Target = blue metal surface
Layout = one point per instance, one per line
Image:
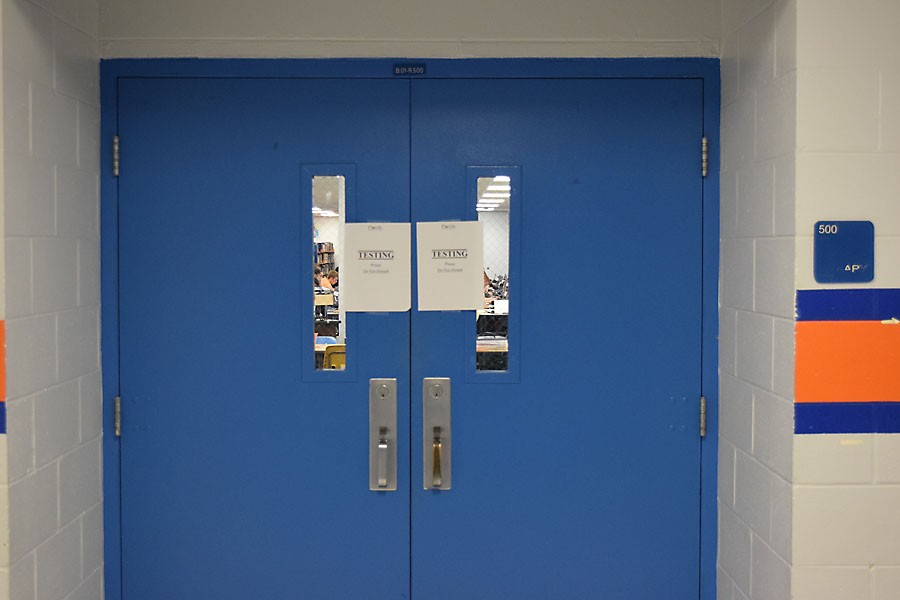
(491, 68)
(109, 333)
(710, 347)
(583, 480)
(703, 71)
(864, 304)
(844, 251)
(847, 417)
(238, 479)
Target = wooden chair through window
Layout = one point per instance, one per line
(335, 356)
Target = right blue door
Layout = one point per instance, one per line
(576, 465)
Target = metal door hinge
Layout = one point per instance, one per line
(702, 416)
(704, 156)
(115, 156)
(117, 416)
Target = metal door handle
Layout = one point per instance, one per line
(382, 458)
(383, 435)
(437, 435)
(436, 458)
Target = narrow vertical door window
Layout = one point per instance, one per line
(329, 335)
(492, 325)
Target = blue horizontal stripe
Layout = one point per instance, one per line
(865, 304)
(2, 417)
(847, 417)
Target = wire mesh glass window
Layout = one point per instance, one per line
(492, 326)
(328, 221)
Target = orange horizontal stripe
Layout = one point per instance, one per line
(847, 361)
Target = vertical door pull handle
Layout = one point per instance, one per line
(436, 458)
(437, 434)
(382, 435)
(382, 458)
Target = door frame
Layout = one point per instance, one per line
(704, 69)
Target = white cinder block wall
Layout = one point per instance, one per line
(52, 283)
(756, 299)
(847, 487)
(4, 470)
(424, 28)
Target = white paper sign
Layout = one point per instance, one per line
(376, 272)
(450, 265)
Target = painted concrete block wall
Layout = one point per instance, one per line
(51, 242)
(756, 299)
(4, 471)
(846, 494)
(423, 28)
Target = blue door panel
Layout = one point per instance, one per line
(243, 478)
(581, 480)
(239, 479)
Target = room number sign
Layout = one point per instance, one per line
(844, 251)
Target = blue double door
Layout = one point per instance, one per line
(244, 472)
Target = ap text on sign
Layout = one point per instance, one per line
(844, 251)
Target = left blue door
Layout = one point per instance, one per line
(241, 470)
